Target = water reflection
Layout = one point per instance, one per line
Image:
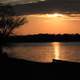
(56, 47)
(45, 52)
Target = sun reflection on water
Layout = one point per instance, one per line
(56, 53)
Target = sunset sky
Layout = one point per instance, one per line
(51, 23)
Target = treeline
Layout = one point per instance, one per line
(44, 38)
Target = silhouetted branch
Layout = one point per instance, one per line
(9, 22)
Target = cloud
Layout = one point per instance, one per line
(47, 6)
(50, 6)
(28, 1)
(18, 1)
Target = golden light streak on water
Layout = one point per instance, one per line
(56, 46)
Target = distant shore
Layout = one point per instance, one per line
(45, 38)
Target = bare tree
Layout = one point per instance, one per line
(8, 22)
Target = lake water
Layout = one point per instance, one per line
(45, 52)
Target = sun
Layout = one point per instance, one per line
(55, 15)
(58, 15)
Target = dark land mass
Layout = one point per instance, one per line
(44, 38)
(34, 70)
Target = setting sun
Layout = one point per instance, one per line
(55, 15)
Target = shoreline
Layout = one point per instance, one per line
(9, 60)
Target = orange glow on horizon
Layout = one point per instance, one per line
(55, 23)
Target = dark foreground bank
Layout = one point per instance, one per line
(7, 60)
(34, 70)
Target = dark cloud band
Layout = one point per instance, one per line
(48, 6)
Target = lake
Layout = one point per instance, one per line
(45, 52)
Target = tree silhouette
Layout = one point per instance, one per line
(8, 22)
